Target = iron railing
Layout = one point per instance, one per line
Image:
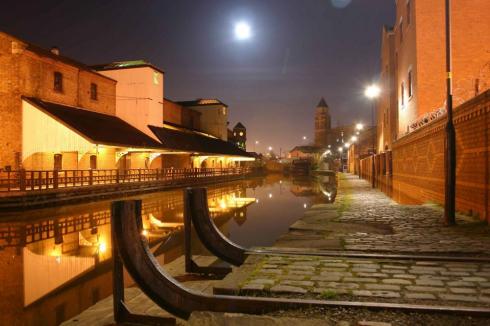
(35, 180)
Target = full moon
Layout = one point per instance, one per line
(243, 31)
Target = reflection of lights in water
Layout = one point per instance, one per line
(270, 195)
(222, 204)
(305, 205)
(280, 181)
(58, 259)
(241, 214)
(102, 247)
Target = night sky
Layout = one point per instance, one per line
(300, 51)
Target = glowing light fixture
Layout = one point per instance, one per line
(243, 31)
(372, 91)
(353, 139)
(359, 126)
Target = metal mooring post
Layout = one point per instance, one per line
(450, 154)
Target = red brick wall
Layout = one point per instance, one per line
(26, 73)
(418, 161)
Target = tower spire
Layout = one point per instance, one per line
(322, 104)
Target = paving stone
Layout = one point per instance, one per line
(298, 283)
(457, 297)
(293, 277)
(363, 270)
(461, 284)
(387, 266)
(425, 289)
(253, 286)
(341, 274)
(405, 276)
(271, 271)
(420, 296)
(372, 323)
(474, 279)
(338, 265)
(330, 290)
(287, 289)
(386, 287)
(300, 267)
(336, 285)
(378, 294)
(462, 290)
(377, 275)
(396, 281)
(326, 278)
(360, 280)
(429, 282)
(455, 273)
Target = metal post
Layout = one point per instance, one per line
(450, 153)
(374, 151)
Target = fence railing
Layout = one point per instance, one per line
(30, 180)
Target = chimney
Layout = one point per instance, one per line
(55, 50)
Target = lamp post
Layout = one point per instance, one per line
(255, 145)
(450, 152)
(372, 92)
(359, 127)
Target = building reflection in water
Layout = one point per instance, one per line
(55, 263)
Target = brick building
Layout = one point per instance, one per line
(27, 70)
(59, 114)
(413, 63)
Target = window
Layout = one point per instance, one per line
(58, 162)
(93, 162)
(409, 12)
(410, 84)
(402, 94)
(93, 91)
(58, 81)
(401, 32)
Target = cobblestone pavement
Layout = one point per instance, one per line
(433, 282)
(366, 220)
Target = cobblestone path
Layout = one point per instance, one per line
(366, 220)
(433, 282)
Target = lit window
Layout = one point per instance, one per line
(409, 12)
(58, 81)
(402, 94)
(93, 91)
(410, 84)
(401, 31)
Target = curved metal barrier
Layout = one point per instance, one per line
(196, 213)
(131, 248)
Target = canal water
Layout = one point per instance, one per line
(55, 263)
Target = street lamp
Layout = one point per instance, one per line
(450, 153)
(372, 92)
(353, 139)
(255, 145)
(359, 126)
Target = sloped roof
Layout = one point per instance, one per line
(322, 104)
(202, 102)
(125, 65)
(195, 142)
(97, 127)
(239, 126)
